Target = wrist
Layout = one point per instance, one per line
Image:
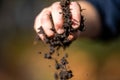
(92, 20)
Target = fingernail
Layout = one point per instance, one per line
(60, 31)
(75, 25)
(70, 37)
(42, 37)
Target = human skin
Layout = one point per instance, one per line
(92, 20)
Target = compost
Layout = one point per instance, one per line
(63, 72)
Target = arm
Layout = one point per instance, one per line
(108, 11)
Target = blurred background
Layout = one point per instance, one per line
(89, 60)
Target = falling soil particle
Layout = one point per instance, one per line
(61, 41)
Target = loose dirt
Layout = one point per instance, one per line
(63, 72)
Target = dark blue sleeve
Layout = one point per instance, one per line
(109, 11)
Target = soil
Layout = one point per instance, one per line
(61, 41)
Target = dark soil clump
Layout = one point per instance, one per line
(61, 41)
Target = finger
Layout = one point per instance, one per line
(43, 20)
(57, 17)
(37, 25)
(46, 22)
(74, 35)
(75, 11)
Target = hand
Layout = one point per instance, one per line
(44, 20)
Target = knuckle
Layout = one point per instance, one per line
(74, 3)
(45, 14)
(44, 10)
(44, 17)
(56, 5)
